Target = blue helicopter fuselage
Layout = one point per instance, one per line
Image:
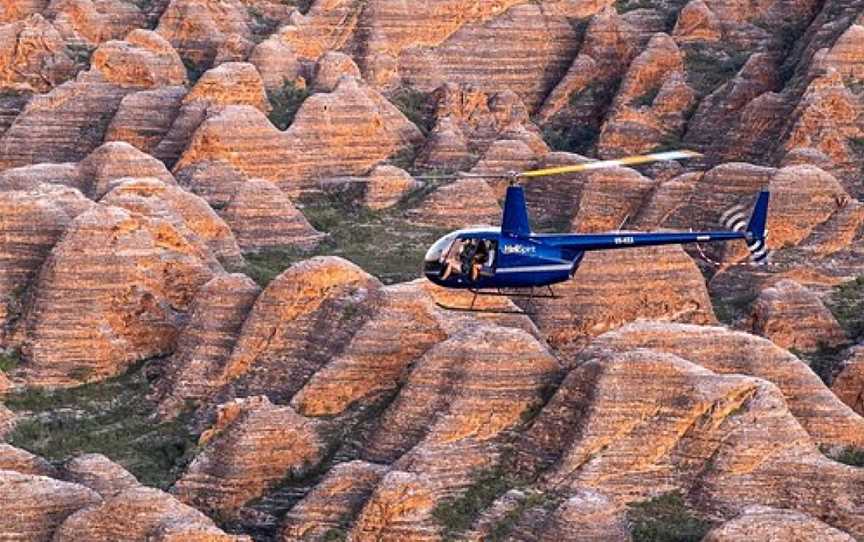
(517, 262)
(514, 257)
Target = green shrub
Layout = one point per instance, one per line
(579, 138)
(708, 67)
(110, 417)
(416, 106)
(647, 99)
(846, 303)
(286, 102)
(825, 361)
(9, 359)
(665, 518)
(851, 456)
(458, 514)
(386, 244)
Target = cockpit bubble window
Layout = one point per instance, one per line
(440, 247)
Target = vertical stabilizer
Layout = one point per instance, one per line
(515, 220)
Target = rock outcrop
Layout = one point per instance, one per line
(31, 223)
(465, 202)
(97, 472)
(23, 462)
(762, 523)
(105, 166)
(363, 129)
(252, 446)
(142, 60)
(334, 502)
(187, 213)
(144, 118)
(198, 29)
(387, 185)
(726, 441)
(34, 506)
(204, 345)
(793, 317)
(848, 385)
(113, 291)
(88, 23)
(825, 418)
(636, 283)
(263, 218)
(33, 56)
(141, 513)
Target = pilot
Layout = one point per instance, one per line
(453, 259)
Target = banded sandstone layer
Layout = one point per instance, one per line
(213, 213)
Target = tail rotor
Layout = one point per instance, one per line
(735, 220)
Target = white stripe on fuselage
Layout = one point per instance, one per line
(534, 268)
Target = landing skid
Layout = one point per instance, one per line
(499, 292)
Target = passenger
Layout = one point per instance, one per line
(481, 255)
(453, 259)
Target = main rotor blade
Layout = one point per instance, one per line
(603, 164)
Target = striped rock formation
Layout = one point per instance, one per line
(23, 462)
(33, 57)
(794, 317)
(644, 283)
(112, 292)
(69, 122)
(465, 202)
(97, 472)
(825, 418)
(363, 130)
(725, 441)
(448, 422)
(205, 343)
(31, 223)
(144, 118)
(89, 23)
(651, 103)
(263, 218)
(848, 385)
(232, 83)
(141, 513)
(252, 446)
(762, 523)
(187, 213)
(35, 506)
(197, 29)
(332, 505)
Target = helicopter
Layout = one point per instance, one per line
(513, 261)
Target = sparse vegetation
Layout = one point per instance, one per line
(623, 6)
(80, 53)
(851, 456)
(708, 67)
(825, 361)
(110, 417)
(386, 244)
(847, 305)
(9, 359)
(458, 514)
(729, 310)
(647, 99)
(286, 102)
(666, 518)
(193, 70)
(579, 138)
(502, 529)
(416, 106)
